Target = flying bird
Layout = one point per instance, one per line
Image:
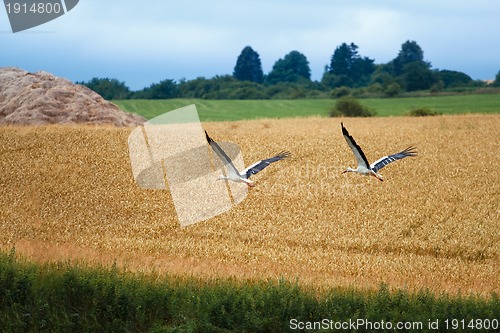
(364, 167)
(243, 176)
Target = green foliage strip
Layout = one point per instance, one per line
(63, 297)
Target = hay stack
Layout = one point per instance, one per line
(41, 98)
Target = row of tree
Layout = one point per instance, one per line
(290, 77)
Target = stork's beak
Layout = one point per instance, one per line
(344, 171)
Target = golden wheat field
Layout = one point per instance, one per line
(68, 193)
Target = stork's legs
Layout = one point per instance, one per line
(374, 174)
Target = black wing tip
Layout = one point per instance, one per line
(284, 154)
(410, 151)
(344, 130)
(209, 139)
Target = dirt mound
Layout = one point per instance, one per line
(41, 98)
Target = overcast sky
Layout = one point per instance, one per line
(144, 42)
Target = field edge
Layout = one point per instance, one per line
(91, 297)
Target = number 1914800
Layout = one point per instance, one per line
(34, 8)
(473, 324)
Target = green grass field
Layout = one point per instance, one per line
(64, 297)
(231, 110)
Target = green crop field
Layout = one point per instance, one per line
(63, 297)
(231, 110)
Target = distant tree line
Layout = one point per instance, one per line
(290, 77)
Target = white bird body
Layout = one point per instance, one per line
(364, 171)
(237, 178)
(364, 168)
(243, 176)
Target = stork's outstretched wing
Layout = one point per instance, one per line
(261, 165)
(356, 149)
(382, 162)
(222, 155)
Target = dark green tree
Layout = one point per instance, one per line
(454, 78)
(221, 87)
(418, 76)
(248, 66)
(343, 59)
(410, 69)
(108, 88)
(196, 88)
(410, 52)
(163, 90)
(348, 68)
(496, 83)
(383, 75)
(294, 67)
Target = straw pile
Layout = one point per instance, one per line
(41, 98)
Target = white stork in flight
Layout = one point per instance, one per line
(364, 167)
(243, 176)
